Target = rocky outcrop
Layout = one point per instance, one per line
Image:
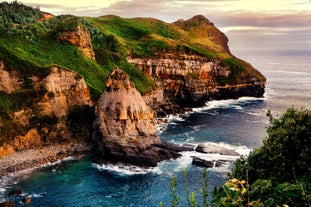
(8, 81)
(64, 90)
(191, 79)
(81, 38)
(210, 148)
(208, 163)
(125, 127)
(43, 119)
(9, 203)
(31, 140)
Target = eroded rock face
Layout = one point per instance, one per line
(125, 127)
(43, 120)
(31, 140)
(126, 123)
(80, 38)
(8, 81)
(65, 89)
(191, 80)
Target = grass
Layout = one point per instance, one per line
(30, 45)
(35, 59)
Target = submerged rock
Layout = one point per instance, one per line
(26, 200)
(210, 148)
(125, 126)
(8, 203)
(15, 192)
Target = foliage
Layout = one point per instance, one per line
(17, 13)
(286, 153)
(17, 19)
(280, 171)
(236, 68)
(276, 174)
(190, 196)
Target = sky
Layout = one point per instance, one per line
(249, 24)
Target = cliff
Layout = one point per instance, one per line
(40, 113)
(53, 70)
(191, 79)
(125, 127)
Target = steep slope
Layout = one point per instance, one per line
(47, 60)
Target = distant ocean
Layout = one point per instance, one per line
(235, 124)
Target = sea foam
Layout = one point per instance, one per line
(126, 169)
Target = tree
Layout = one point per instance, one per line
(285, 154)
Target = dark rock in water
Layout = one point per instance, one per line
(8, 203)
(202, 163)
(210, 148)
(15, 192)
(26, 200)
(176, 147)
(207, 163)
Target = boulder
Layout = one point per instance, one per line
(208, 163)
(203, 163)
(31, 140)
(210, 148)
(26, 200)
(15, 192)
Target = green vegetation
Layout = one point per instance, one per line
(285, 154)
(191, 198)
(31, 42)
(236, 67)
(276, 174)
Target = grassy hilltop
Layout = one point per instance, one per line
(29, 43)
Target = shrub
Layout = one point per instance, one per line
(286, 153)
(236, 68)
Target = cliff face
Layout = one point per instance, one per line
(191, 80)
(65, 90)
(185, 63)
(125, 127)
(42, 118)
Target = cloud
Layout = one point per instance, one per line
(264, 20)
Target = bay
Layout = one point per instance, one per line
(235, 124)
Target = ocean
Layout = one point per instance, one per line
(238, 125)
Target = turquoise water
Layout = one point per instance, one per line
(235, 124)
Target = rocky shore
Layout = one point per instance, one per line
(18, 162)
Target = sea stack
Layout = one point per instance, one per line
(125, 126)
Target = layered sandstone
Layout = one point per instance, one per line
(192, 79)
(125, 127)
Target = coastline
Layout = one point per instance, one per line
(31, 159)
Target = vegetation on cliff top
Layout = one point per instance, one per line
(29, 42)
